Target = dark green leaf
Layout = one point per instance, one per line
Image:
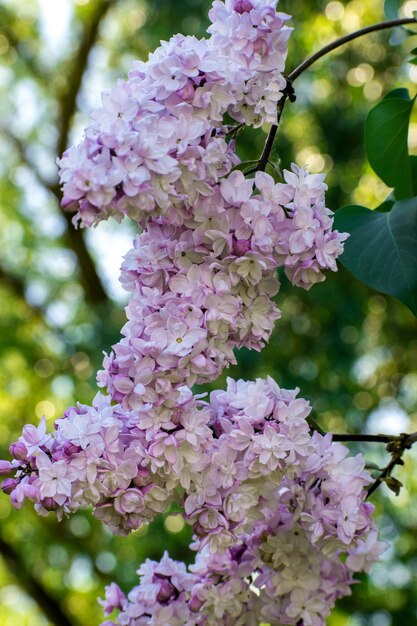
(386, 136)
(386, 206)
(413, 61)
(400, 92)
(382, 248)
(413, 164)
(393, 483)
(372, 466)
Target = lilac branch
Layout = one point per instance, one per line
(346, 39)
(396, 446)
(289, 92)
(364, 438)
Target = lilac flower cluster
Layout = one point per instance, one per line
(106, 457)
(203, 272)
(275, 575)
(273, 507)
(204, 288)
(288, 512)
(158, 143)
(279, 514)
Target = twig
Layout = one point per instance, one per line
(342, 40)
(364, 438)
(315, 426)
(396, 446)
(235, 129)
(266, 152)
(289, 92)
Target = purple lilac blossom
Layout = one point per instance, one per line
(279, 514)
(158, 143)
(204, 288)
(287, 547)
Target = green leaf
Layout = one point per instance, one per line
(393, 483)
(413, 165)
(413, 61)
(386, 137)
(382, 248)
(391, 8)
(373, 466)
(386, 205)
(400, 92)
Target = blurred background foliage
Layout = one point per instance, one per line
(352, 352)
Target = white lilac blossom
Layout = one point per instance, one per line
(158, 143)
(204, 288)
(279, 514)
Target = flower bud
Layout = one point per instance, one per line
(129, 502)
(17, 497)
(18, 451)
(9, 485)
(199, 360)
(163, 386)
(166, 590)
(241, 247)
(5, 468)
(238, 551)
(142, 476)
(31, 434)
(49, 504)
(70, 448)
(195, 604)
(242, 6)
(187, 92)
(30, 491)
(115, 599)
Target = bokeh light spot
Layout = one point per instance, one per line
(174, 523)
(45, 408)
(334, 11)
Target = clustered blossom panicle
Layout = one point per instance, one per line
(158, 143)
(204, 288)
(279, 514)
(274, 512)
(272, 506)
